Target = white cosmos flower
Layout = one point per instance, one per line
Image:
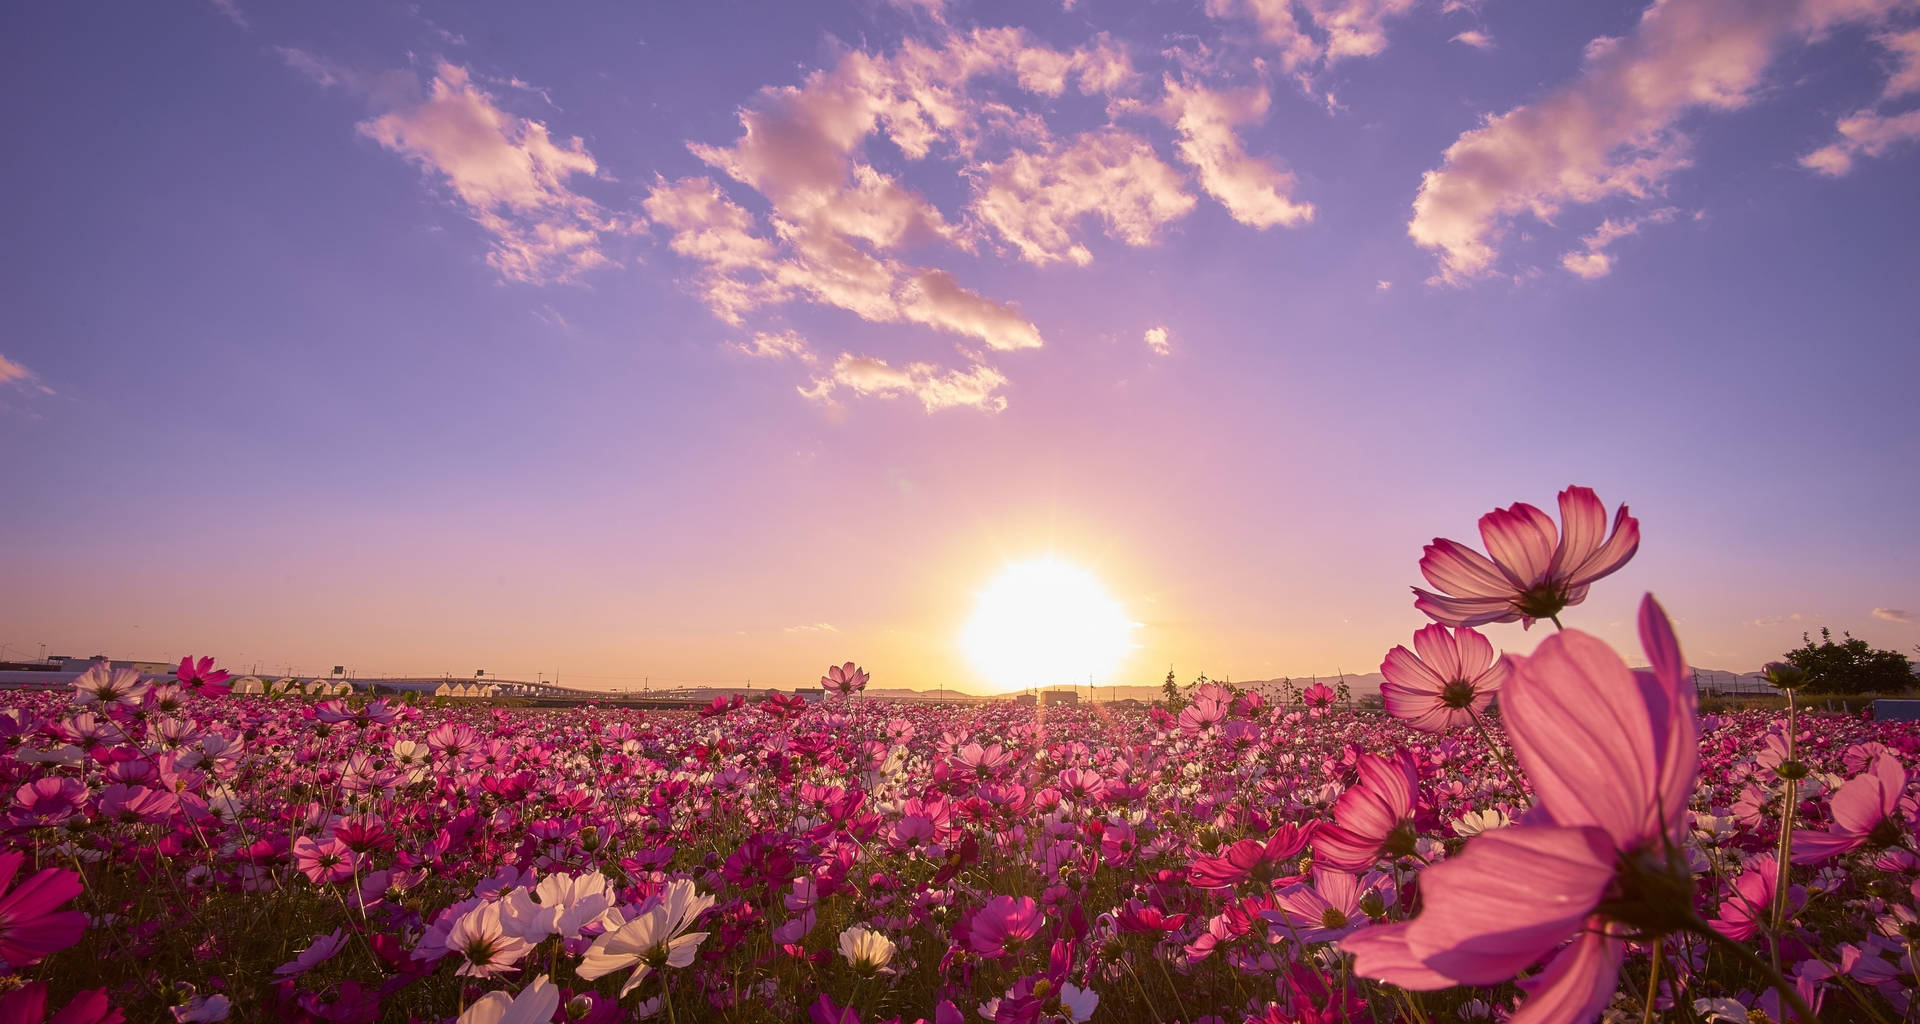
(1078, 1002)
(655, 938)
(534, 1005)
(1473, 823)
(866, 949)
(561, 904)
(478, 938)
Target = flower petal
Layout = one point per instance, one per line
(1521, 539)
(1508, 899)
(1575, 987)
(1581, 728)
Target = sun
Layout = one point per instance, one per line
(1046, 623)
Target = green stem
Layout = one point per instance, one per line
(1747, 957)
(1653, 985)
(1785, 853)
(1513, 771)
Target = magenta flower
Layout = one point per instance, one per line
(1535, 570)
(844, 679)
(1004, 925)
(48, 800)
(201, 677)
(1373, 819)
(1251, 859)
(28, 1005)
(1319, 696)
(1612, 755)
(1866, 812)
(1751, 895)
(1447, 684)
(31, 926)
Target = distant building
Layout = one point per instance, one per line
(1024, 700)
(145, 668)
(1051, 697)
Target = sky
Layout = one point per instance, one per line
(722, 341)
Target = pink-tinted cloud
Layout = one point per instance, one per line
(1592, 260)
(1863, 134)
(1475, 38)
(1872, 132)
(1312, 32)
(508, 173)
(776, 345)
(12, 372)
(1034, 199)
(1254, 191)
(976, 387)
(1892, 615)
(1611, 131)
(1159, 341)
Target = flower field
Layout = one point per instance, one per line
(1588, 846)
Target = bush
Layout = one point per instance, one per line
(1850, 667)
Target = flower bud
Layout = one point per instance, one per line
(1783, 675)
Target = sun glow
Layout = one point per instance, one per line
(1046, 623)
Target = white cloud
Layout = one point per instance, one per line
(1593, 260)
(1332, 29)
(1383, 285)
(815, 627)
(232, 10)
(1475, 38)
(975, 388)
(1892, 614)
(511, 175)
(1034, 199)
(771, 345)
(1611, 131)
(1158, 341)
(1254, 191)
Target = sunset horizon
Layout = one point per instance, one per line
(624, 345)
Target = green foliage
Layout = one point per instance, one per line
(1852, 666)
(1170, 696)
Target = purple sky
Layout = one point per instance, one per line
(723, 340)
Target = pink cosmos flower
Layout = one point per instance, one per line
(1319, 697)
(984, 762)
(201, 677)
(1004, 925)
(1867, 811)
(1612, 756)
(1535, 570)
(328, 860)
(844, 679)
(318, 952)
(1328, 909)
(1447, 684)
(31, 928)
(1373, 819)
